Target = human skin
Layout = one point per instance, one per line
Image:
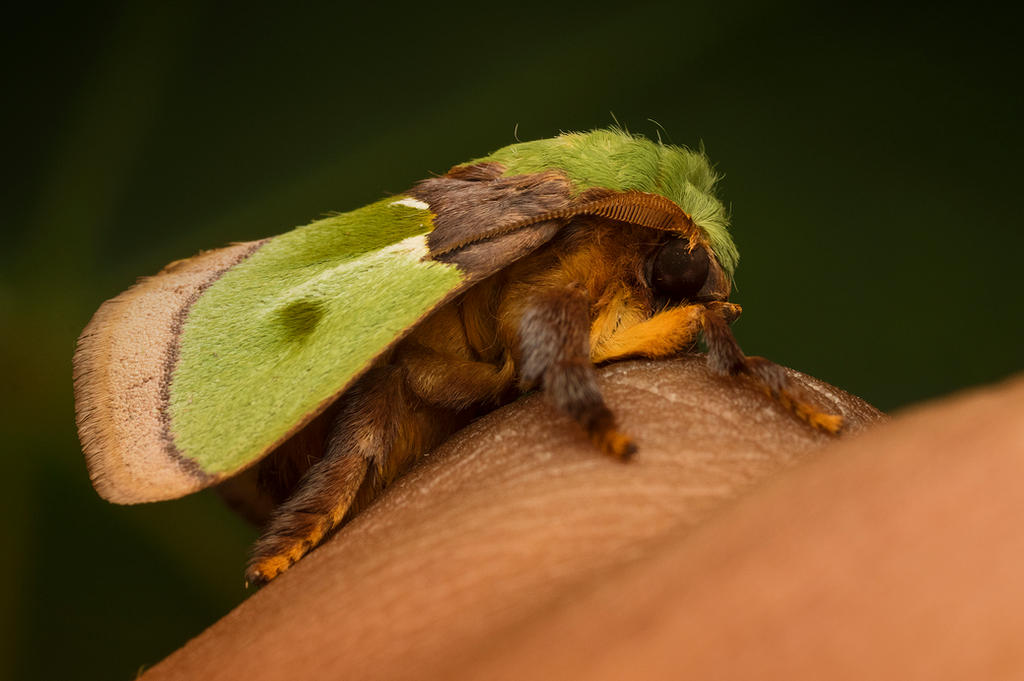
(737, 544)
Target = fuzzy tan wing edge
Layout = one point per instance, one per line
(121, 367)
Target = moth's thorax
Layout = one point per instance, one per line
(607, 261)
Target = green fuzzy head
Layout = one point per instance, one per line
(617, 160)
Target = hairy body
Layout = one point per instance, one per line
(369, 337)
(584, 298)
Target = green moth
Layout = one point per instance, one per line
(522, 268)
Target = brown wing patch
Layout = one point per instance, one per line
(484, 258)
(484, 221)
(120, 370)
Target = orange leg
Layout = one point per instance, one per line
(663, 335)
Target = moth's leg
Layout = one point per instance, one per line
(446, 380)
(322, 497)
(554, 340)
(378, 431)
(664, 335)
(725, 357)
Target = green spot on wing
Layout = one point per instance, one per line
(284, 330)
(301, 317)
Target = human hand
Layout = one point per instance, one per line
(515, 551)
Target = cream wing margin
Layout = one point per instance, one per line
(121, 366)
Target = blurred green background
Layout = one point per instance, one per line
(871, 162)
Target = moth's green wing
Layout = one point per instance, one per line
(276, 338)
(254, 346)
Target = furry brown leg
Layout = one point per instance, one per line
(726, 358)
(380, 429)
(324, 495)
(363, 431)
(452, 382)
(554, 335)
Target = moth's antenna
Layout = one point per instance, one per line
(647, 210)
(515, 132)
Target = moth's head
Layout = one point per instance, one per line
(615, 160)
(682, 270)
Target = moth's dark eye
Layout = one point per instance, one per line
(677, 272)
